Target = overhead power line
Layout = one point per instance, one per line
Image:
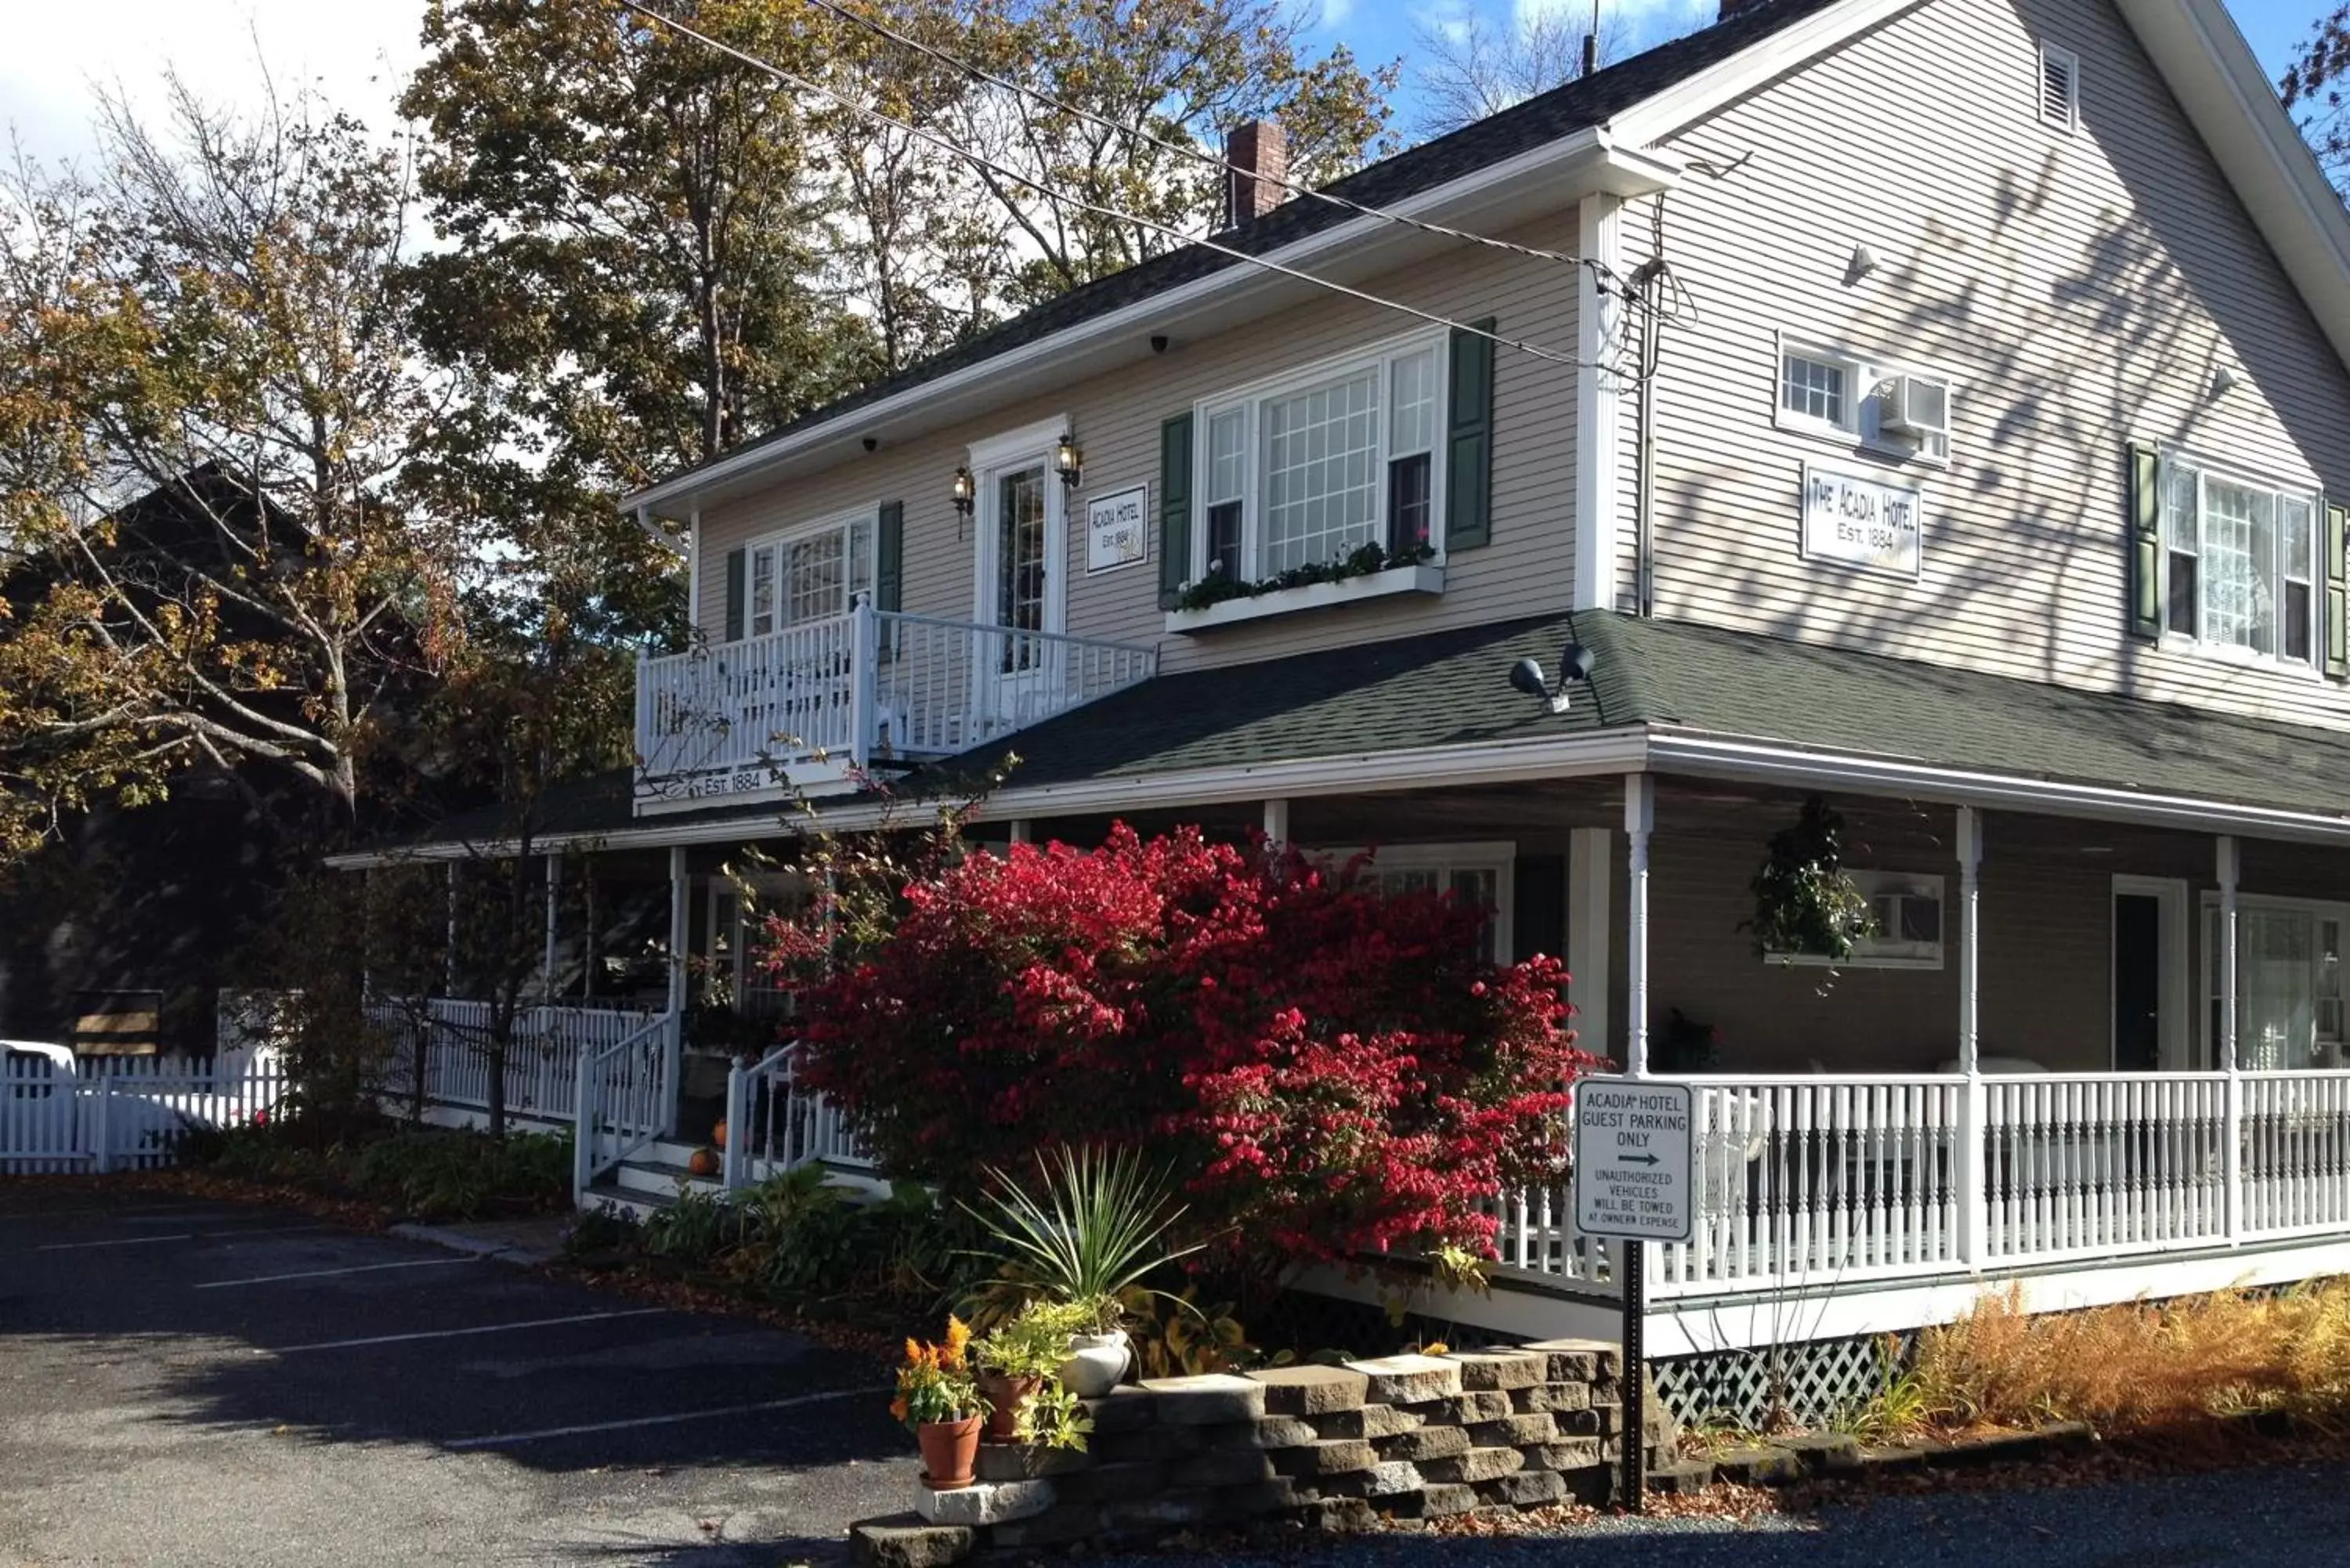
(1180, 149)
(979, 161)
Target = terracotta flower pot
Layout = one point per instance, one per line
(1006, 1396)
(949, 1449)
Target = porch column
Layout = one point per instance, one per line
(1639, 822)
(587, 938)
(1276, 822)
(554, 896)
(1019, 828)
(1974, 1101)
(2230, 872)
(1590, 911)
(680, 900)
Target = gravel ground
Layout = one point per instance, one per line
(2296, 1515)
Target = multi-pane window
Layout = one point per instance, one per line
(808, 576)
(1905, 912)
(1478, 875)
(1895, 410)
(1308, 472)
(1812, 388)
(2241, 558)
(1020, 563)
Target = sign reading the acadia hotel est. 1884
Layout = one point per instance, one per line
(1862, 520)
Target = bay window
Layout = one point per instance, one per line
(1308, 470)
(2240, 556)
(808, 574)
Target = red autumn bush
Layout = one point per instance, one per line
(1329, 1070)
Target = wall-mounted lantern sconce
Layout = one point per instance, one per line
(964, 491)
(1069, 462)
(1862, 265)
(2224, 380)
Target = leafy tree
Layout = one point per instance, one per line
(208, 401)
(1331, 1072)
(2313, 84)
(634, 224)
(1145, 72)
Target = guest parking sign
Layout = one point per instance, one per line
(1632, 1165)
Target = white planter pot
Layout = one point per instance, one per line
(1096, 1362)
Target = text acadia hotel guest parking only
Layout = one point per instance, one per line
(1632, 1163)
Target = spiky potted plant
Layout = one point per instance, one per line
(939, 1401)
(1093, 1230)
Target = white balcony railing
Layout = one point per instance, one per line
(542, 1054)
(1812, 1183)
(854, 689)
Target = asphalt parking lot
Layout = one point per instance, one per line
(184, 1385)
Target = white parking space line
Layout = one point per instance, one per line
(180, 1236)
(329, 1273)
(504, 1439)
(455, 1333)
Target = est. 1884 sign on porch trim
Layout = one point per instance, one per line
(1117, 530)
(1863, 520)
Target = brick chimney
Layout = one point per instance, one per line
(1258, 153)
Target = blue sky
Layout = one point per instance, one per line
(353, 49)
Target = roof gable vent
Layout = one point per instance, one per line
(2060, 88)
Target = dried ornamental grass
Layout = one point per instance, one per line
(2140, 1366)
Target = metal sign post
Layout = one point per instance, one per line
(1634, 1161)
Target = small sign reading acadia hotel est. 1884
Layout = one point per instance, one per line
(1861, 520)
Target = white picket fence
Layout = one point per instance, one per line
(126, 1113)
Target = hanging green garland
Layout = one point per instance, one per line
(1804, 904)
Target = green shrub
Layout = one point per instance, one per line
(694, 1230)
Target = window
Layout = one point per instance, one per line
(2288, 983)
(1893, 410)
(808, 574)
(2060, 88)
(1308, 470)
(1908, 912)
(2240, 559)
(1478, 875)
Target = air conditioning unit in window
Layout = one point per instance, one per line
(1918, 407)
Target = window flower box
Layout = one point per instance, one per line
(1424, 578)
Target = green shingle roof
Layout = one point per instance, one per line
(1451, 689)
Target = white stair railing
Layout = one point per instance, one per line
(625, 1098)
(775, 1123)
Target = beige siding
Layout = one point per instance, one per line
(2083, 287)
(1527, 569)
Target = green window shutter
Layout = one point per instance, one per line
(2337, 592)
(1469, 451)
(734, 587)
(2146, 542)
(1174, 507)
(890, 558)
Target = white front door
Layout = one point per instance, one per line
(1021, 591)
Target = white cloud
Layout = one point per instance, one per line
(1334, 12)
(60, 55)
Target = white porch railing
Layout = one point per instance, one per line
(1815, 1182)
(542, 1061)
(853, 688)
(773, 1124)
(624, 1098)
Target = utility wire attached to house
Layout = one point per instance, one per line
(979, 160)
(1180, 149)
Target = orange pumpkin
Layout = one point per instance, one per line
(718, 1133)
(703, 1163)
